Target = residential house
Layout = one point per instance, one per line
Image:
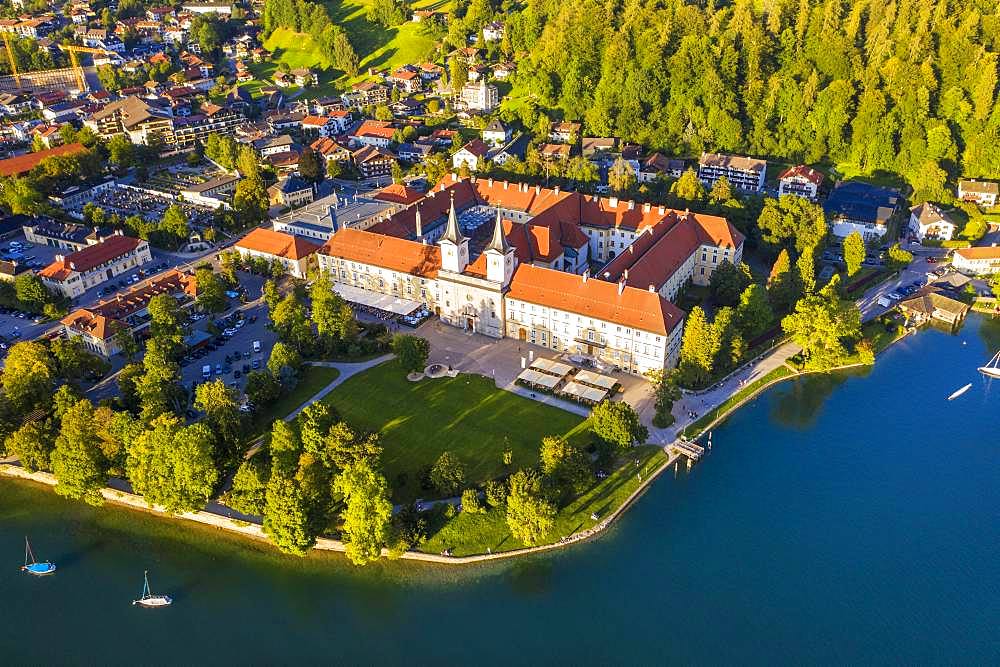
(480, 96)
(407, 79)
(930, 304)
(366, 93)
(983, 193)
(135, 118)
(51, 233)
(280, 144)
(496, 133)
(375, 133)
(565, 132)
(743, 173)
(414, 152)
(14, 104)
(928, 221)
(515, 149)
(295, 254)
(977, 261)
(493, 32)
(801, 181)
(292, 191)
(304, 77)
(72, 275)
(330, 150)
(658, 165)
(472, 155)
(554, 151)
(373, 161)
(591, 147)
(854, 206)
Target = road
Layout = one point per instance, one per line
(915, 272)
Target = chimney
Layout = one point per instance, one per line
(490, 182)
(72, 265)
(631, 204)
(538, 190)
(60, 258)
(454, 177)
(646, 207)
(586, 274)
(613, 202)
(687, 212)
(652, 288)
(607, 275)
(662, 210)
(505, 184)
(557, 190)
(621, 283)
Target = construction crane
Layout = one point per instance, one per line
(73, 50)
(11, 58)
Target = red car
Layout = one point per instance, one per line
(932, 260)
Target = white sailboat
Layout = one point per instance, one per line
(992, 368)
(150, 600)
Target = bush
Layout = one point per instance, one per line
(448, 474)
(471, 502)
(496, 493)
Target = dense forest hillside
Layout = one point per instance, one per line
(905, 86)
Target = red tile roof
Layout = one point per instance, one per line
(279, 244)
(979, 252)
(388, 252)
(22, 164)
(635, 308)
(397, 193)
(803, 171)
(375, 128)
(91, 257)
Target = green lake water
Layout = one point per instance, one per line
(847, 519)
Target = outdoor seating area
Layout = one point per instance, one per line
(568, 381)
(383, 306)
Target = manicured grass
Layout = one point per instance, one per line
(466, 415)
(311, 380)
(694, 429)
(469, 534)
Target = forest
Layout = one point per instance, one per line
(905, 87)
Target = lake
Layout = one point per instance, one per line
(842, 519)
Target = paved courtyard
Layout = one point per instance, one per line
(502, 360)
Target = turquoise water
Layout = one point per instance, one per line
(837, 520)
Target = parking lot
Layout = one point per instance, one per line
(126, 201)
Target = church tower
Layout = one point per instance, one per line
(454, 246)
(499, 255)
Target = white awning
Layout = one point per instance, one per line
(583, 391)
(596, 379)
(551, 366)
(537, 379)
(385, 302)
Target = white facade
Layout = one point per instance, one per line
(977, 261)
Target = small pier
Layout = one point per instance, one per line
(689, 449)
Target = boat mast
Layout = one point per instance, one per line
(28, 553)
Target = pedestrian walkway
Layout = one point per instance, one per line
(347, 370)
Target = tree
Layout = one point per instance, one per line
(124, 340)
(310, 166)
(172, 465)
(617, 423)
(285, 447)
(566, 466)
(793, 221)
(854, 252)
(529, 516)
(284, 362)
(31, 291)
(753, 314)
(728, 282)
(781, 287)
(332, 316)
(121, 152)
(250, 201)
(621, 177)
(688, 187)
(334, 168)
(698, 349)
(367, 511)
(805, 268)
(448, 474)
(459, 73)
(286, 520)
(249, 491)
(271, 295)
(666, 391)
(74, 362)
(222, 411)
(262, 388)
(32, 444)
(314, 425)
(389, 13)
(344, 446)
(290, 321)
(28, 374)
(820, 325)
(899, 258)
(412, 352)
(76, 458)
(721, 192)
(175, 224)
(211, 291)
(471, 502)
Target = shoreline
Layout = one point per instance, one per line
(256, 532)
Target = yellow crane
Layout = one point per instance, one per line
(11, 58)
(73, 50)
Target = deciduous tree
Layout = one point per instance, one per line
(411, 351)
(77, 459)
(529, 516)
(172, 465)
(367, 511)
(617, 423)
(854, 252)
(448, 474)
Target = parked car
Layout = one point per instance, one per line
(932, 260)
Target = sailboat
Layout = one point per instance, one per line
(992, 368)
(150, 600)
(31, 566)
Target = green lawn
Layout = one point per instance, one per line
(311, 380)
(469, 534)
(466, 415)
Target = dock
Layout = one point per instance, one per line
(689, 449)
